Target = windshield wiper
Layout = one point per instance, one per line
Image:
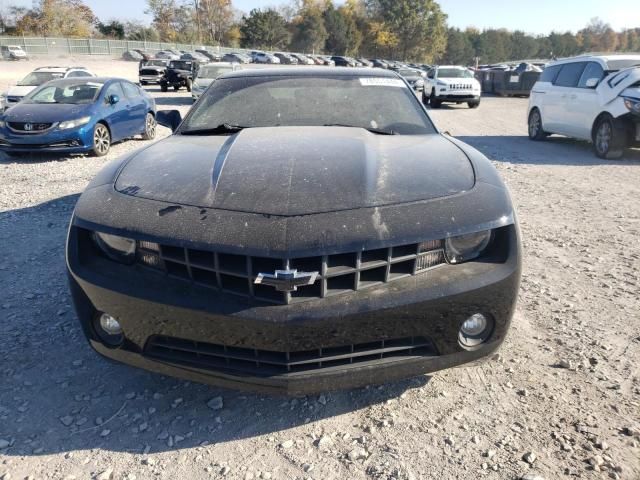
(377, 131)
(222, 129)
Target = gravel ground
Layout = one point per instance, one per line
(560, 400)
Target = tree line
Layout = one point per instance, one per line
(412, 30)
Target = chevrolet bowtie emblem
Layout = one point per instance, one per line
(287, 280)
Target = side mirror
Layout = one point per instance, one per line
(592, 82)
(113, 99)
(169, 118)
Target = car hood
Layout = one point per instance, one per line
(450, 81)
(46, 113)
(292, 171)
(619, 83)
(203, 82)
(20, 90)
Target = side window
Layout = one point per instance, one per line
(570, 74)
(131, 90)
(431, 74)
(78, 73)
(550, 73)
(593, 70)
(113, 89)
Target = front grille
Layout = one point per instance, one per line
(252, 361)
(150, 72)
(461, 86)
(340, 273)
(27, 127)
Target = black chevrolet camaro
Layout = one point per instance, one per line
(302, 230)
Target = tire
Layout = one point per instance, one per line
(474, 104)
(150, 127)
(164, 87)
(435, 103)
(610, 138)
(534, 126)
(101, 140)
(425, 99)
(189, 84)
(176, 88)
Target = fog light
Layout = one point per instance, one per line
(475, 330)
(110, 325)
(108, 330)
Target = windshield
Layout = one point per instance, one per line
(35, 79)
(213, 71)
(154, 63)
(620, 64)
(180, 65)
(454, 73)
(70, 93)
(408, 73)
(383, 104)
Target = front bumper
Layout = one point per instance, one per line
(150, 78)
(61, 141)
(431, 306)
(458, 96)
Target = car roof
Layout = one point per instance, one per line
(313, 72)
(604, 58)
(452, 66)
(65, 81)
(54, 69)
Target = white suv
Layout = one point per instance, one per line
(593, 98)
(453, 84)
(35, 79)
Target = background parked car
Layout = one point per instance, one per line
(453, 84)
(207, 74)
(213, 57)
(195, 56)
(414, 77)
(151, 71)
(286, 59)
(77, 115)
(343, 61)
(35, 79)
(166, 55)
(13, 52)
(262, 57)
(179, 73)
(132, 56)
(236, 58)
(303, 59)
(593, 98)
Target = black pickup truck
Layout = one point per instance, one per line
(179, 73)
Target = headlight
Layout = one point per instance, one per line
(442, 84)
(74, 123)
(467, 247)
(632, 104)
(119, 249)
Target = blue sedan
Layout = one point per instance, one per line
(78, 115)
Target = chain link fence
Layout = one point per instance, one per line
(91, 46)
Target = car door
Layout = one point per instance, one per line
(136, 108)
(586, 105)
(115, 114)
(559, 114)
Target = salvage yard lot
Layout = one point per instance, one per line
(561, 399)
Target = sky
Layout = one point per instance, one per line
(532, 16)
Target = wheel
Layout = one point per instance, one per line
(164, 87)
(535, 126)
(189, 84)
(425, 99)
(609, 138)
(101, 140)
(435, 103)
(474, 104)
(149, 127)
(176, 87)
